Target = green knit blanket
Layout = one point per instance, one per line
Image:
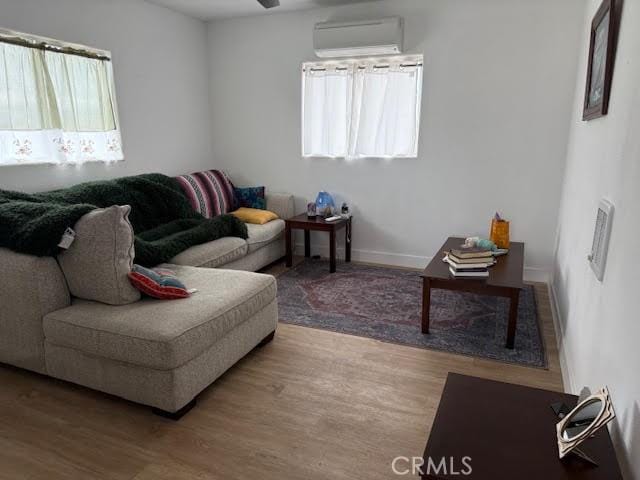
(163, 220)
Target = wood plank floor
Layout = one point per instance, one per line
(310, 405)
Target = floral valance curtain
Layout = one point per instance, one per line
(56, 108)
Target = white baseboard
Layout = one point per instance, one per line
(371, 256)
(531, 274)
(567, 376)
(537, 274)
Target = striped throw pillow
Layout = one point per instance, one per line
(210, 192)
(158, 283)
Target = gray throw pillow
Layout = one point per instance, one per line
(98, 261)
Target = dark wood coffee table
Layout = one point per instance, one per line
(505, 280)
(319, 224)
(509, 433)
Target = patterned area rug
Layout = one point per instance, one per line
(385, 304)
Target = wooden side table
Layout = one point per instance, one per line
(302, 222)
(507, 432)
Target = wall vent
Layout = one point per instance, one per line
(598, 256)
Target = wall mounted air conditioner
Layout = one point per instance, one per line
(351, 39)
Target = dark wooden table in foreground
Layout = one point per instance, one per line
(508, 432)
(319, 224)
(505, 280)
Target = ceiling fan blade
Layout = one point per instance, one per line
(269, 3)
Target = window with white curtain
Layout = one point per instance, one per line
(362, 108)
(57, 103)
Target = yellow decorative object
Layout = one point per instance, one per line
(500, 232)
(254, 215)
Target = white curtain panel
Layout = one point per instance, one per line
(386, 112)
(362, 109)
(26, 101)
(56, 108)
(83, 92)
(326, 117)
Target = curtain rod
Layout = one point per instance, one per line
(364, 68)
(52, 48)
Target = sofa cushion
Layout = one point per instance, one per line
(98, 261)
(210, 192)
(213, 254)
(261, 235)
(164, 335)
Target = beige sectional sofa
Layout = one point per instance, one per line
(154, 352)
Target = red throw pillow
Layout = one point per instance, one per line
(158, 283)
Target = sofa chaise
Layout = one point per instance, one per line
(158, 353)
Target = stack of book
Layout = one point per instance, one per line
(469, 262)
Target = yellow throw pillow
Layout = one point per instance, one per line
(254, 215)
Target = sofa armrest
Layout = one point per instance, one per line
(32, 288)
(281, 203)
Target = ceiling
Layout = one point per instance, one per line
(212, 9)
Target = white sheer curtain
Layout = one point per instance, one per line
(326, 117)
(386, 112)
(362, 109)
(56, 108)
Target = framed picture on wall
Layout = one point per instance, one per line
(601, 57)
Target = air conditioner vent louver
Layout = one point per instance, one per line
(601, 234)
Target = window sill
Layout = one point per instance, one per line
(59, 164)
(362, 157)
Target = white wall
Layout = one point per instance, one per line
(498, 89)
(161, 74)
(600, 322)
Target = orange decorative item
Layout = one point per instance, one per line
(499, 232)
